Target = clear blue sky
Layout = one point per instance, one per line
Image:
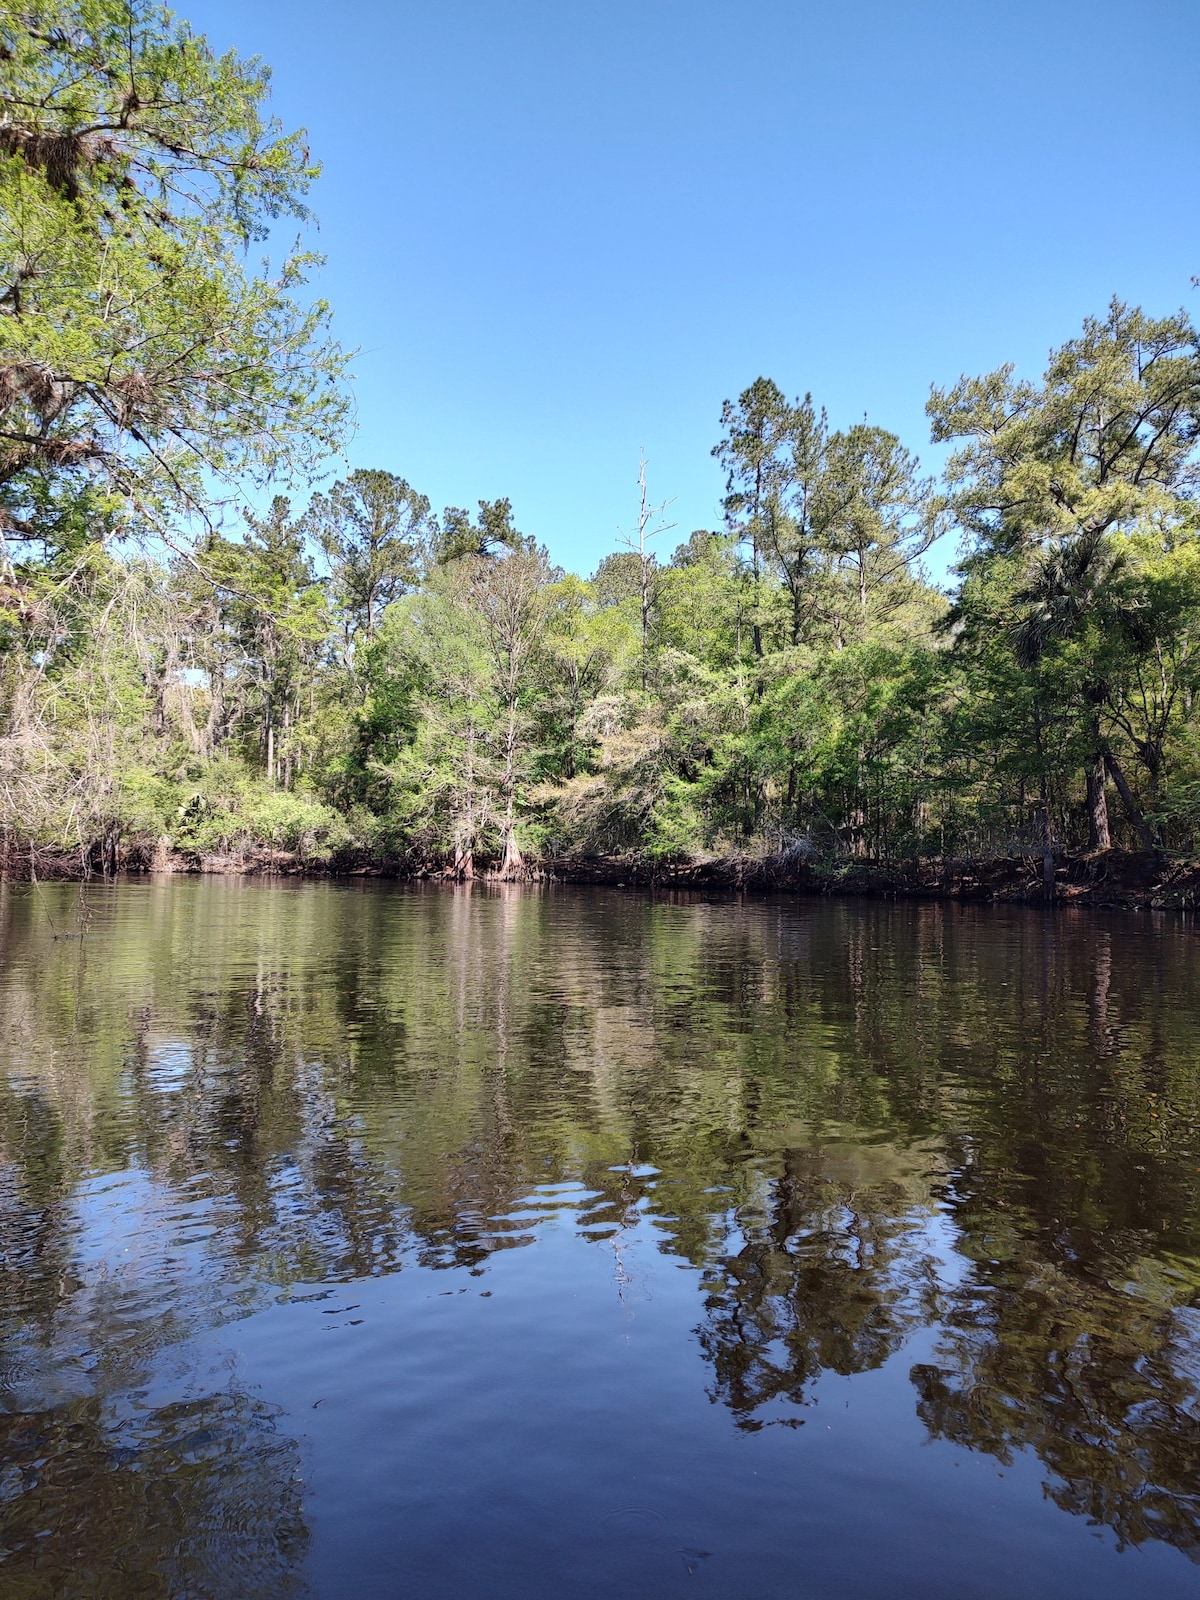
(559, 231)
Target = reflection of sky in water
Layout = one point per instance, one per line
(170, 1067)
(438, 1244)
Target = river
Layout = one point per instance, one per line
(414, 1241)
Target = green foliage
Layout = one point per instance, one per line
(138, 350)
(375, 532)
(226, 811)
(437, 692)
(491, 533)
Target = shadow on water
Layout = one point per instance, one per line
(857, 1124)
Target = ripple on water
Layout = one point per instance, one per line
(923, 1178)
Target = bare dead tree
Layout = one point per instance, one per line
(649, 526)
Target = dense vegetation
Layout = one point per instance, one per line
(359, 677)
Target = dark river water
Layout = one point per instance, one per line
(374, 1241)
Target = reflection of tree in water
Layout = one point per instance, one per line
(1101, 1385)
(831, 1276)
(201, 1498)
(106, 1490)
(362, 1081)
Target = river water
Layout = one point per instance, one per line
(371, 1240)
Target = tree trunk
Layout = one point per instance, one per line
(216, 710)
(1047, 855)
(513, 863)
(645, 613)
(157, 683)
(1048, 892)
(1132, 809)
(464, 844)
(862, 593)
(1099, 837)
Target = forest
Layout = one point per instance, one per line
(215, 646)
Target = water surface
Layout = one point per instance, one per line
(419, 1242)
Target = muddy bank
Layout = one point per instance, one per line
(1113, 879)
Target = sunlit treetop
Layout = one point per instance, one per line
(140, 348)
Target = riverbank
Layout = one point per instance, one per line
(1111, 879)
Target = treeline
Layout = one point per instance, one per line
(359, 677)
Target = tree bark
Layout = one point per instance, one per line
(1047, 854)
(1133, 810)
(1048, 891)
(645, 613)
(512, 864)
(464, 844)
(1099, 835)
